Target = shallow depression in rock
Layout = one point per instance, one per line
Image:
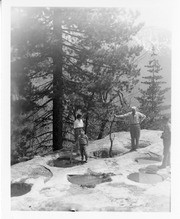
(104, 153)
(88, 180)
(145, 178)
(147, 160)
(18, 189)
(64, 162)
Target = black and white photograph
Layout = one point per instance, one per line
(90, 94)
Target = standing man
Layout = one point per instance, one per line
(78, 126)
(166, 136)
(135, 118)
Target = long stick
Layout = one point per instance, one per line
(110, 137)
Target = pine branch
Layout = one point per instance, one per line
(77, 66)
(138, 59)
(46, 87)
(34, 112)
(71, 56)
(39, 128)
(38, 74)
(45, 116)
(44, 104)
(45, 133)
(73, 30)
(72, 47)
(45, 84)
(99, 65)
(46, 140)
(70, 43)
(79, 37)
(41, 94)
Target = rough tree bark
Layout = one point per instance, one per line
(57, 81)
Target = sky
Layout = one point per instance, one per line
(153, 12)
(156, 16)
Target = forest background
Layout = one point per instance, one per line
(92, 60)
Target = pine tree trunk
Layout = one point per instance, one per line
(57, 82)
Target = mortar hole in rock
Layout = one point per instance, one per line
(151, 169)
(64, 162)
(19, 189)
(104, 153)
(148, 160)
(87, 180)
(145, 178)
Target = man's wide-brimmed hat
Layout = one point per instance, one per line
(133, 107)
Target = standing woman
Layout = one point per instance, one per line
(135, 118)
(78, 126)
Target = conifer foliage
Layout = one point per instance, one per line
(152, 98)
(65, 59)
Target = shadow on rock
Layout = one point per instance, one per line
(41, 170)
(149, 159)
(90, 179)
(64, 162)
(104, 153)
(142, 144)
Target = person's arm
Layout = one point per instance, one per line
(142, 117)
(121, 116)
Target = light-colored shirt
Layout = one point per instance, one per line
(78, 123)
(133, 119)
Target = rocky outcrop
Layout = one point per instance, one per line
(51, 189)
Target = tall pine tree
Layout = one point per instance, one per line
(66, 58)
(152, 98)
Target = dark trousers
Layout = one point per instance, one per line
(83, 151)
(166, 152)
(135, 135)
(77, 132)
